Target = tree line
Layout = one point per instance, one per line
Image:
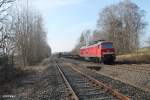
(23, 38)
(121, 23)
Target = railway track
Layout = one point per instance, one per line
(84, 87)
(52, 86)
(133, 92)
(71, 93)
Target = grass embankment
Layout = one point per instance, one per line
(140, 56)
(15, 77)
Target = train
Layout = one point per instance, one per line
(102, 51)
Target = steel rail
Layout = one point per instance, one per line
(101, 85)
(71, 95)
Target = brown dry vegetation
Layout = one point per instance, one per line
(19, 80)
(141, 56)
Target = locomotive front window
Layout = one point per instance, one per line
(107, 45)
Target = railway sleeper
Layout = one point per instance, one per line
(87, 92)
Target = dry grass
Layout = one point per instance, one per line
(142, 56)
(11, 78)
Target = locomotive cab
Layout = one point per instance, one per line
(107, 52)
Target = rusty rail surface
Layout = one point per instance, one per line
(101, 85)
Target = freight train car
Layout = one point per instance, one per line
(102, 51)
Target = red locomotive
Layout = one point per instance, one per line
(102, 51)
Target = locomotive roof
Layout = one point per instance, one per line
(96, 44)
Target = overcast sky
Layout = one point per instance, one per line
(65, 19)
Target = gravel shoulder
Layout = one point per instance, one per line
(136, 75)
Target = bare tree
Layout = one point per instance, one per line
(87, 37)
(122, 24)
(98, 35)
(6, 35)
(81, 42)
(148, 42)
(30, 36)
